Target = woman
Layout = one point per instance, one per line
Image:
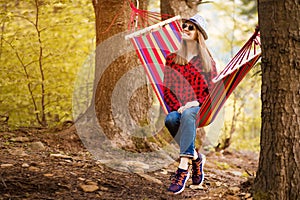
(187, 80)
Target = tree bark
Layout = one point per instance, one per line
(278, 175)
(112, 18)
(184, 8)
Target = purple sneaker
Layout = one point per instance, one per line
(179, 181)
(197, 170)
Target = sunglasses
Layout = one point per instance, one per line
(190, 26)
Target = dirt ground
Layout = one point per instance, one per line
(39, 165)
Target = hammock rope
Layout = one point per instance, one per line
(228, 79)
(248, 49)
(147, 18)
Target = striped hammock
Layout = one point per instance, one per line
(155, 42)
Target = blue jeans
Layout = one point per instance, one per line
(183, 129)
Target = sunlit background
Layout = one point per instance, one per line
(40, 60)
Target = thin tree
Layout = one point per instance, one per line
(37, 98)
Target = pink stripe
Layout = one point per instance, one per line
(157, 56)
(162, 44)
(150, 68)
(170, 39)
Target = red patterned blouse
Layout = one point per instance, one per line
(185, 83)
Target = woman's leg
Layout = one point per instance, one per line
(172, 122)
(187, 132)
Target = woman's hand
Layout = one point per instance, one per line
(181, 109)
(188, 105)
(192, 104)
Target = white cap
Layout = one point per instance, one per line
(200, 22)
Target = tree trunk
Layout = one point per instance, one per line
(120, 84)
(184, 8)
(278, 175)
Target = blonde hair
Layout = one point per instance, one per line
(202, 51)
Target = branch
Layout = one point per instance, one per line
(27, 77)
(44, 122)
(26, 19)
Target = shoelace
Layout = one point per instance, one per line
(196, 168)
(177, 178)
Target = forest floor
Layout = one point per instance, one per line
(39, 165)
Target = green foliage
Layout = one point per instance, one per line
(42, 46)
(248, 9)
(243, 119)
(237, 21)
(154, 5)
(243, 108)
